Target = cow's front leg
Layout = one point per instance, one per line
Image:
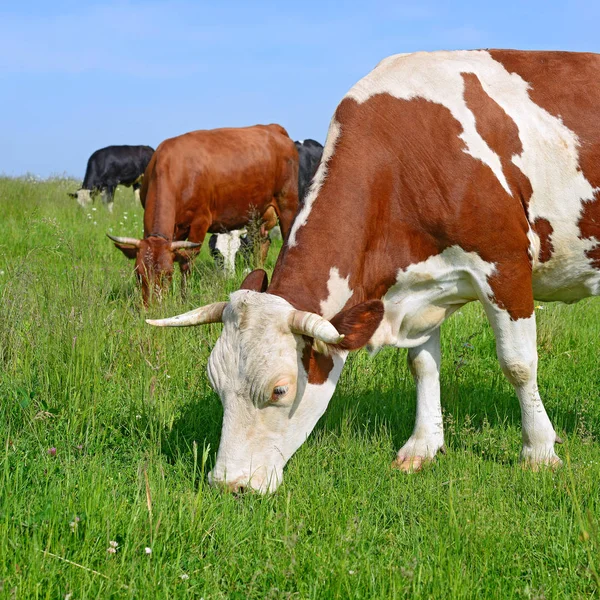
(136, 191)
(517, 352)
(428, 435)
(108, 197)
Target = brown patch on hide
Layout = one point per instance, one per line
(317, 365)
(544, 230)
(500, 133)
(589, 225)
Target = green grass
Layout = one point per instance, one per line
(135, 426)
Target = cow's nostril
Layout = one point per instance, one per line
(237, 488)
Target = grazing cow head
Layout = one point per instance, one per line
(83, 197)
(154, 260)
(275, 369)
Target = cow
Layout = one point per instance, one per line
(112, 166)
(309, 157)
(447, 178)
(209, 181)
(224, 246)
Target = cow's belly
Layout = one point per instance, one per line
(228, 215)
(567, 277)
(427, 293)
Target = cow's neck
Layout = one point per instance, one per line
(337, 260)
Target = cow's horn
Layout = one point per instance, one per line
(315, 326)
(125, 240)
(212, 313)
(184, 244)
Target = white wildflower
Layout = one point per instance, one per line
(148, 550)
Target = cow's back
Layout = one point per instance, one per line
(224, 173)
(113, 165)
(493, 152)
(531, 121)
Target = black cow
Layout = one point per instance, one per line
(112, 166)
(309, 155)
(224, 246)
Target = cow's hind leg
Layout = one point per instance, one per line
(428, 435)
(517, 352)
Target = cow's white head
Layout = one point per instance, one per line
(83, 197)
(275, 369)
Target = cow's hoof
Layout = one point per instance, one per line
(410, 464)
(416, 453)
(539, 464)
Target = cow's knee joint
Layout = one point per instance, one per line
(518, 372)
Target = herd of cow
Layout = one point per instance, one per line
(205, 181)
(446, 177)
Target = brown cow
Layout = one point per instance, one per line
(209, 181)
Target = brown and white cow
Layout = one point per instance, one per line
(210, 181)
(447, 177)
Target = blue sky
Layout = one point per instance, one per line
(79, 75)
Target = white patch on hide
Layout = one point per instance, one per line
(339, 293)
(427, 293)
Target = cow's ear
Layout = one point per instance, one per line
(128, 251)
(257, 281)
(358, 324)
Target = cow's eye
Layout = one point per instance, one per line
(279, 391)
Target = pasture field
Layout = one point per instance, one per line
(108, 428)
